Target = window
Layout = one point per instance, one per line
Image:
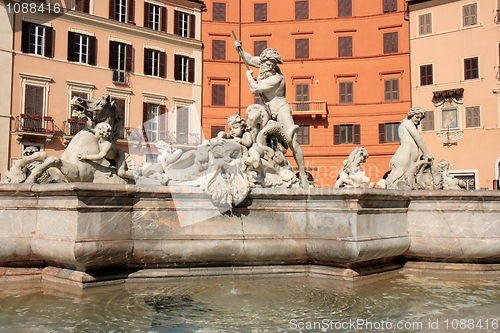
(303, 135)
(120, 60)
(302, 48)
(472, 116)
(388, 132)
(152, 120)
(425, 24)
(260, 12)
(219, 49)
(155, 17)
(345, 46)
(426, 76)
(346, 134)
(34, 99)
(82, 48)
(184, 68)
(37, 39)
(184, 24)
(390, 6)
(391, 42)
(428, 122)
(155, 63)
(122, 10)
(218, 94)
(469, 14)
(468, 177)
(391, 90)
(121, 104)
(345, 8)
(82, 6)
(471, 68)
(214, 130)
(219, 11)
(301, 10)
(346, 92)
(302, 95)
(449, 118)
(259, 46)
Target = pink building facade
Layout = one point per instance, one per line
(454, 52)
(147, 55)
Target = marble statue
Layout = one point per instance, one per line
(405, 164)
(91, 156)
(270, 85)
(21, 169)
(351, 174)
(443, 179)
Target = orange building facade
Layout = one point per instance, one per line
(147, 55)
(346, 64)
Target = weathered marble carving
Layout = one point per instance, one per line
(443, 179)
(407, 172)
(21, 169)
(351, 174)
(270, 85)
(91, 156)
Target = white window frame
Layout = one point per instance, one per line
(155, 62)
(155, 16)
(184, 24)
(466, 173)
(35, 80)
(121, 10)
(184, 69)
(38, 46)
(82, 43)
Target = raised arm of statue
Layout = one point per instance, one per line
(250, 60)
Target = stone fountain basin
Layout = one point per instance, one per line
(100, 227)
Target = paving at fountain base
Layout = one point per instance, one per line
(91, 234)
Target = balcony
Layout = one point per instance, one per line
(34, 127)
(72, 126)
(314, 109)
(120, 76)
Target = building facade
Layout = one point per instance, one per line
(455, 49)
(346, 64)
(146, 54)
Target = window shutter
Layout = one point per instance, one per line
(163, 23)
(214, 130)
(112, 52)
(345, 8)
(356, 134)
(472, 116)
(259, 46)
(302, 48)
(79, 5)
(182, 124)
(71, 46)
(162, 121)
(301, 10)
(25, 39)
(147, 11)
(120, 103)
(218, 94)
(86, 6)
(177, 67)
(192, 26)
(260, 12)
(219, 11)
(381, 133)
(92, 50)
(421, 24)
(131, 11)
(336, 135)
(191, 70)
(144, 113)
(394, 43)
(163, 65)
(33, 102)
(345, 46)
(147, 63)
(395, 90)
(129, 55)
(49, 42)
(112, 9)
(177, 22)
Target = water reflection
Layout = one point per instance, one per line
(265, 305)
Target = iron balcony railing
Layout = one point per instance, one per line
(34, 123)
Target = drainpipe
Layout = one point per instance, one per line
(239, 61)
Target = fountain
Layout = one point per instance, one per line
(233, 209)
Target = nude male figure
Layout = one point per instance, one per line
(270, 84)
